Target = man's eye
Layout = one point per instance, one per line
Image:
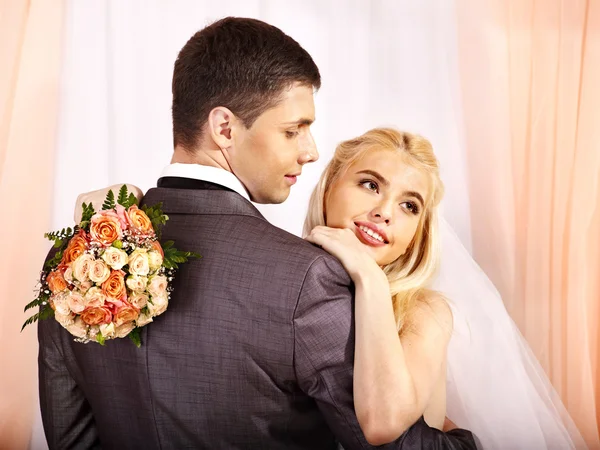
(291, 134)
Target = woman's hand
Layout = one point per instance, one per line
(96, 198)
(345, 246)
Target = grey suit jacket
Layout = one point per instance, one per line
(255, 350)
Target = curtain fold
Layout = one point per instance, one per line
(529, 74)
(30, 49)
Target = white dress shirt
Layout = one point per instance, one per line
(206, 173)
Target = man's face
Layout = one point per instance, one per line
(268, 157)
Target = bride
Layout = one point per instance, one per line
(433, 338)
(452, 351)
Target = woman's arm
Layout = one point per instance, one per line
(393, 378)
(97, 197)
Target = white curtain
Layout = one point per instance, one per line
(383, 63)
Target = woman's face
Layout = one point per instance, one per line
(381, 199)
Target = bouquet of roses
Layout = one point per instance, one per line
(110, 274)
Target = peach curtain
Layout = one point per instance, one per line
(30, 48)
(530, 74)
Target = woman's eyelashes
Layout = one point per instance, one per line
(410, 206)
(370, 185)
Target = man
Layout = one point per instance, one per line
(256, 348)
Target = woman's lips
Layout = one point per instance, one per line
(366, 238)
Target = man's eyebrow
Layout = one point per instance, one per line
(301, 121)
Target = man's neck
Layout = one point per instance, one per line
(202, 156)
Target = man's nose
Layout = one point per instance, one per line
(309, 152)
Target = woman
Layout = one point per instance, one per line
(375, 208)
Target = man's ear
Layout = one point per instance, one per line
(220, 123)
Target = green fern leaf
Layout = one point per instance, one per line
(123, 194)
(109, 201)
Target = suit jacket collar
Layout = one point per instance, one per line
(217, 200)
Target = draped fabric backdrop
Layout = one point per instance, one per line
(503, 89)
(529, 73)
(30, 49)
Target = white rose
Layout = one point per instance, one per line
(136, 283)
(99, 272)
(81, 266)
(115, 258)
(76, 302)
(143, 319)
(95, 297)
(158, 305)
(138, 300)
(78, 328)
(155, 260)
(107, 330)
(64, 319)
(68, 275)
(124, 329)
(158, 285)
(85, 286)
(61, 303)
(138, 262)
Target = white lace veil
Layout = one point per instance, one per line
(496, 387)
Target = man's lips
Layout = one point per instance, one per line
(292, 178)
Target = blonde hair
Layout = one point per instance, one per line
(408, 275)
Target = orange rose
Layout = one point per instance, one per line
(56, 281)
(114, 286)
(138, 219)
(105, 229)
(77, 245)
(126, 313)
(156, 246)
(96, 315)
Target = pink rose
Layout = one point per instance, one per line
(122, 216)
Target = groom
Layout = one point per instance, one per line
(256, 348)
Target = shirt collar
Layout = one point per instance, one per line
(206, 173)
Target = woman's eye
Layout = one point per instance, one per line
(370, 185)
(291, 134)
(411, 207)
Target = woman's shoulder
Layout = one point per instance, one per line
(431, 315)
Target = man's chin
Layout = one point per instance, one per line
(271, 198)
